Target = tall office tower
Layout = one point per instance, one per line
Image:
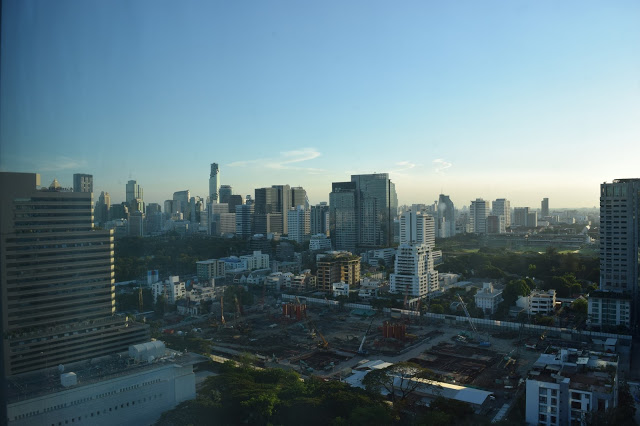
(244, 220)
(82, 183)
(299, 224)
(234, 200)
(520, 216)
(102, 208)
(265, 205)
(343, 217)
(320, 219)
(532, 219)
(134, 192)
(544, 207)
(57, 279)
(376, 209)
(502, 207)
(447, 212)
(214, 183)
(620, 239)
(168, 209)
(299, 197)
(181, 202)
(224, 193)
(417, 228)
(153, 218)
(214, 221)
(283, 203)
(478, 212)
(414, 274)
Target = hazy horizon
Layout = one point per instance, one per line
(471, 99)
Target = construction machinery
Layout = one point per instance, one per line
(484, 343)
(222, 310)
(361, 350)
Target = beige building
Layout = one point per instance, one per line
(340, 267)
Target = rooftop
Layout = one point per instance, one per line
(47, 381)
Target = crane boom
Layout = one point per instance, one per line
(473, 327)
(360, 349)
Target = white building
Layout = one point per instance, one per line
(373, 257)
(607, 308)
(172, 289)
(488, 298)
(538, 302)
(135, 393)
(199, 293)
(502, 207)
(299, 224)
(566, 387)
(257, 260)
(446, 280)
(340, 289)
(369, 288)
(319, 242)
(417, 228)
(478, 212)
(414, 273)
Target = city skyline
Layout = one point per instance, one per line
(491, 100)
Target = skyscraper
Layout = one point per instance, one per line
(299, 226)
(134, 192)
(283, 203)
(225, 193)
(299, 197)
(376, 209)
(446, 211)
(181, 202)
(244, 220)
(57, 279)
(502, 207)
(214, 183)
(82, 183)
(544, 207)
(478, 212)
(320, 219)
(620, 239)
(342, 216)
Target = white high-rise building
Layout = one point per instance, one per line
(478, 212)
(417, 228)
(414, 273)
(214, 183)
(502, 207)
(299, 224)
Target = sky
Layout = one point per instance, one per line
(474, 99)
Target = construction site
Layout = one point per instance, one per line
(330, 341)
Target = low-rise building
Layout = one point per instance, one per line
(566, 387)
(208, 269)
(538, 302)
(340, 289)
(257, 260)
(320, 242)
(172, 289)
(488, 298)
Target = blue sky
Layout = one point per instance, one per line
(489, 99)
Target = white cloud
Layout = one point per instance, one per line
(285, 161)
(441, 165)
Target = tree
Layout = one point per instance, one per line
(397, 380)
(436, 308)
